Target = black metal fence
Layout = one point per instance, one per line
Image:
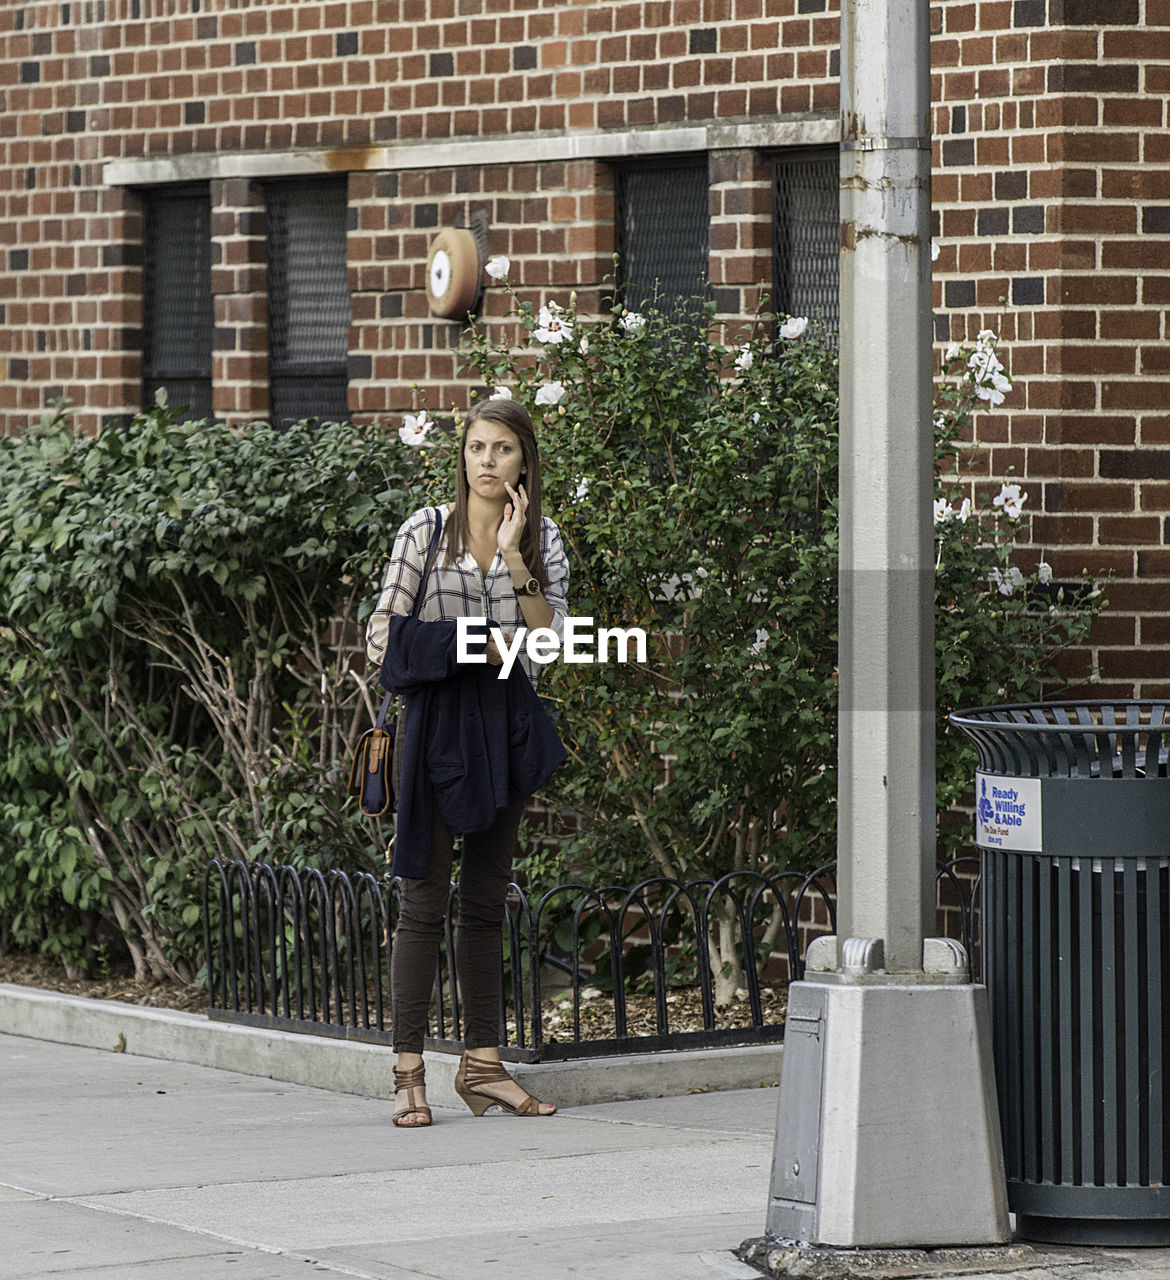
(587, 971)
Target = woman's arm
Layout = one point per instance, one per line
(555, 598)
(536, 609)
(401, 581)
(545, 608)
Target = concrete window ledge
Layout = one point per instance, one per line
(517, 149)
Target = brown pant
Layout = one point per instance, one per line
(485, 873)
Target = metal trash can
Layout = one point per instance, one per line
(1073, 826)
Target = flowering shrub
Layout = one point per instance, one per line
(997, 629)
(695, 482)
(170, 689)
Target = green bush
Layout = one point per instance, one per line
(172, 684)
(175, 684)
(695, 481)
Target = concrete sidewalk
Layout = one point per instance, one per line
(118, 1167)
(115, 1166)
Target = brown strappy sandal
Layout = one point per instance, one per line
(414, 1078)
(474, 1073)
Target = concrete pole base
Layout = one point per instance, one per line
(887, 1134)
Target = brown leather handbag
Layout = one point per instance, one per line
(371, 774)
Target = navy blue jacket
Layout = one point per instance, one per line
(470, 741)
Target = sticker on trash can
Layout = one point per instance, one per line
(1007, 813)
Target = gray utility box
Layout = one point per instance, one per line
(1073, 827)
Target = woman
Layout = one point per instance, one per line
(497, 559)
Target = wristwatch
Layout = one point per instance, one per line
(529, 588)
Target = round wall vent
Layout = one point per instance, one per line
(453, 271)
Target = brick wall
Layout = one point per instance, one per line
(1052, 199)
(95, 81)
(1051, 188)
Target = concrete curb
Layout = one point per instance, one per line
(348, 1066)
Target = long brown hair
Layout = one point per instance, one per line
(510, 414)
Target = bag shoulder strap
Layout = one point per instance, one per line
(432, 552)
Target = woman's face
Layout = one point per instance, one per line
(493, 457)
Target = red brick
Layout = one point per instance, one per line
(1063, 394)
(1126, 255)
(1098, 290)
(1135, 184)
(1066, 530)
(1155, 497)
(1155, 359)
(1129, 530)
(1113, 630)
(1131, 111)
(1084, 428)
(1130, 324)
(1156, 631)
(1069, 184)
(1094, 561)
(1156, 290)
(1138, 394)
(1144, 45)
(1135, 663)
(1097, 496)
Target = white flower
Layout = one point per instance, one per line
(497, 267)
(583, 346)
(943, 511)
(986, 337)
(550, 393)
(964, 512)
(986, 371)
(756, 418)
(953, 352)
(582, 489)
(1006, 583)
(1044, 572)
(632, 321)
(761, 641)
(933, 251)
(983, 362)
(550, 327)
(500, 393)
(1011, 500)
(794, 326)
(415, 428)
(744, 359)
(993, 394)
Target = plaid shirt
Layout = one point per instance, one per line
(462, 591)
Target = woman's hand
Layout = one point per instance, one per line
(512, 525)
(492, 653)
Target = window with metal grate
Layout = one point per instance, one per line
(662, 219)
(308, 301)
(805, 234)
(177, 314)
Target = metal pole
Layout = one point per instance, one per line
(886, 755)
(887, 1133)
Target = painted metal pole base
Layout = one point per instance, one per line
(888, 1133)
